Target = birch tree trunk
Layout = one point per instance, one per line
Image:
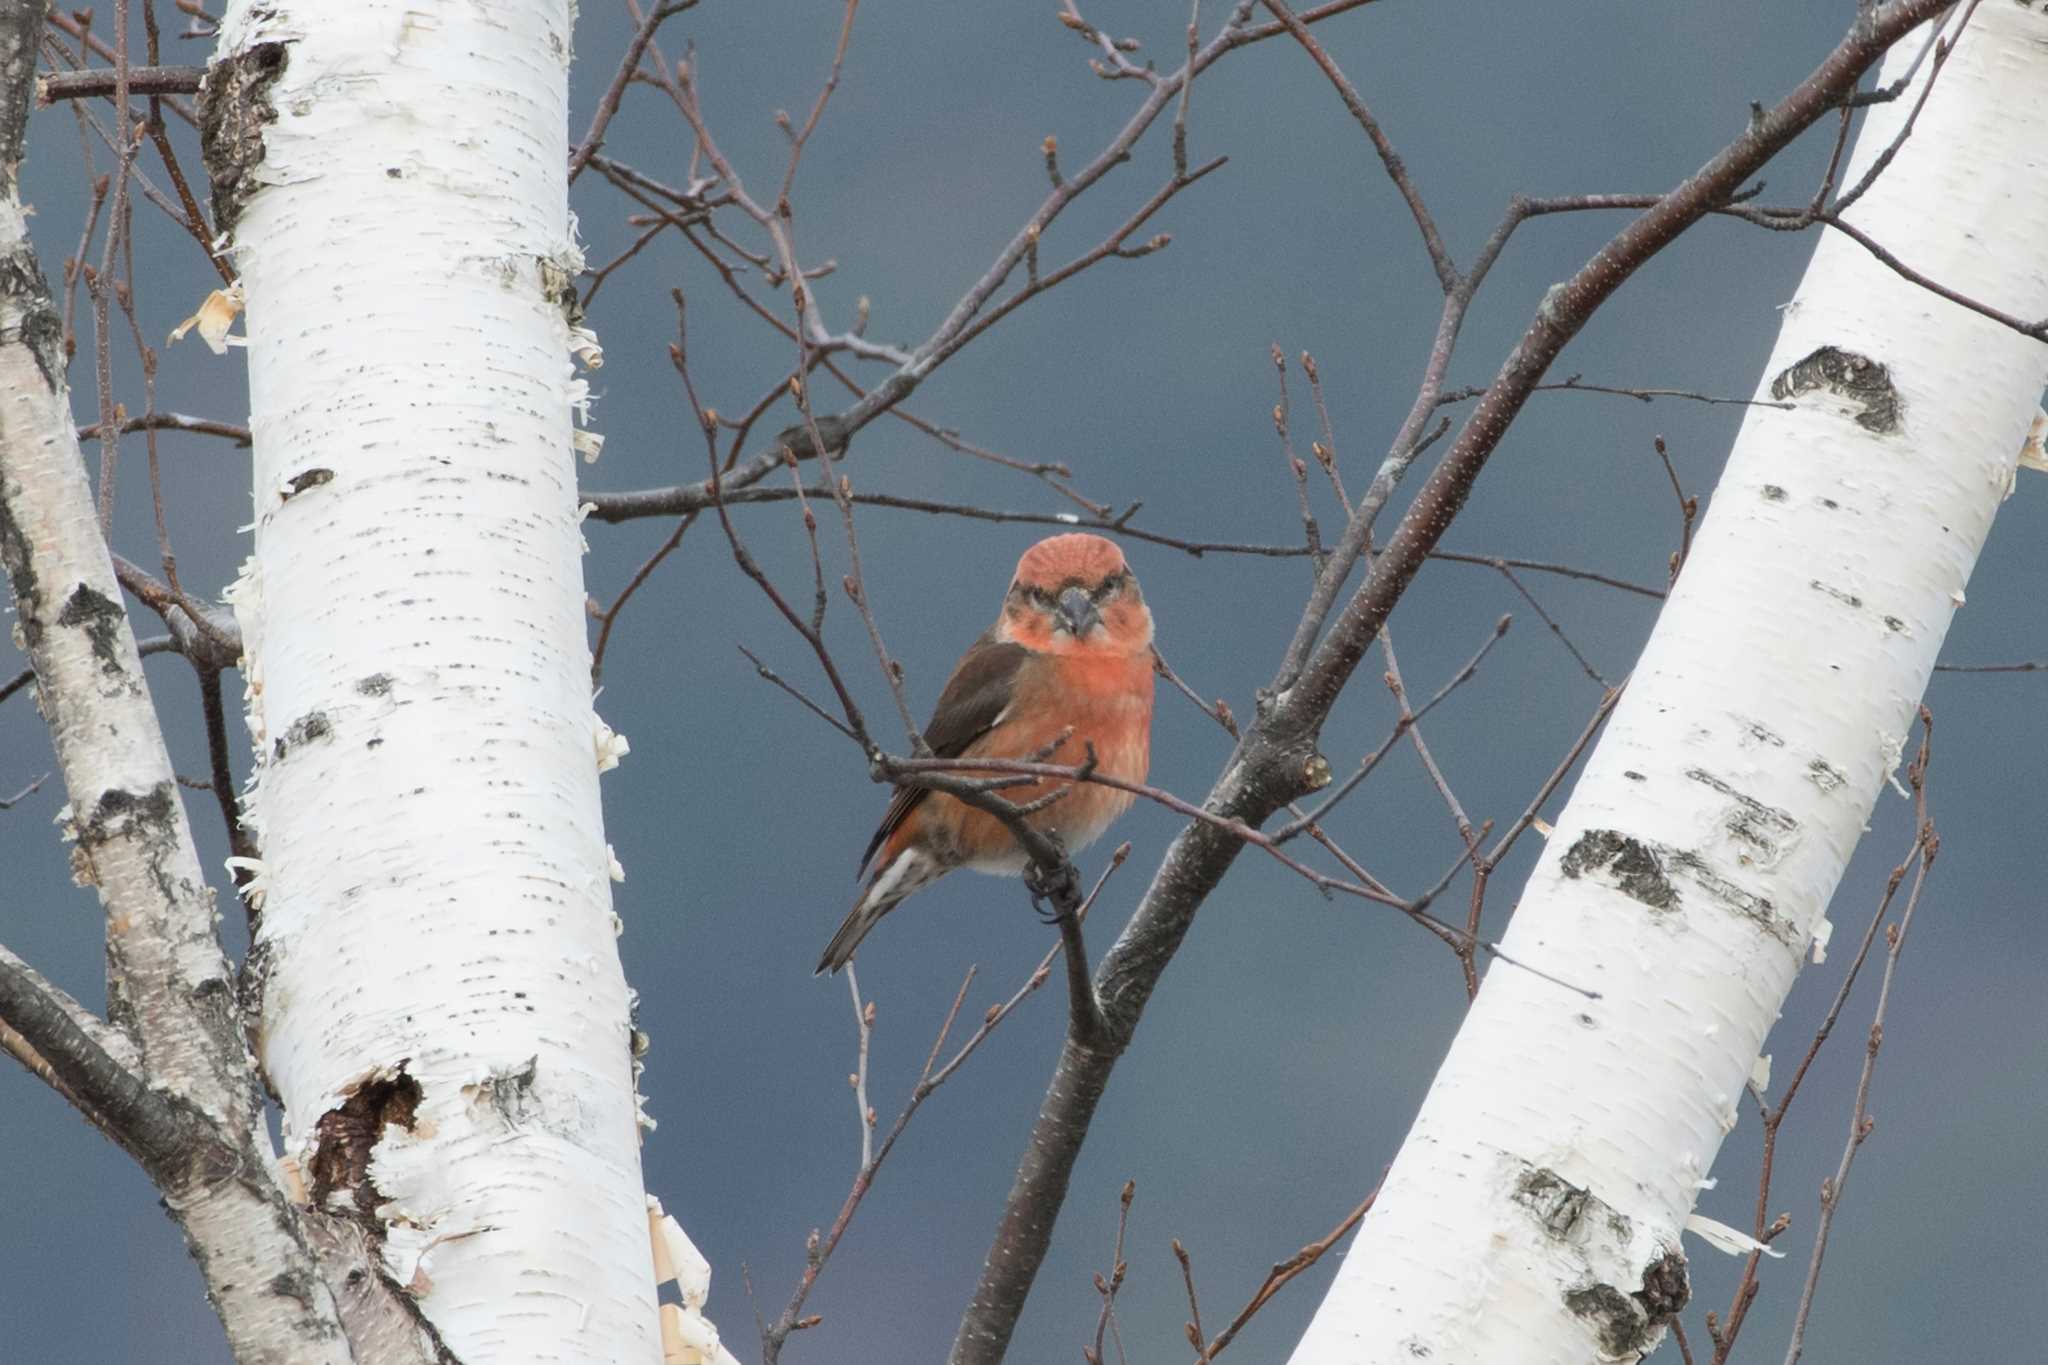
(442, 1011)
(1533, 1213)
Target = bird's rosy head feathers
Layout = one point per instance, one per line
(1074, 594)
(1077, 556)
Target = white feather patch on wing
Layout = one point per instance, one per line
(892, 876)
(909, 870)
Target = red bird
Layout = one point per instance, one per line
(1072, 650)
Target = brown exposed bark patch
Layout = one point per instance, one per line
(1627, 864)
(310, 478)
(120, 814)
(42, 331)
(1825, 775)
(347, 1136)
(303, 731)
(1628, 1325)
(509, 1092)
(1764, 828)
(1562, 1207)
(233, 109)
(1557, 1203)
(1666, 1286)
(102, 620)
(1617, 1320)
(1745, 903)
(1857, 378)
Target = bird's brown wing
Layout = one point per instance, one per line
(973, 700)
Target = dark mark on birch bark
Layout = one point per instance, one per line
(234, 106)
(1858, 378)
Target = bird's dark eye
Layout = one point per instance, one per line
(1107, 587)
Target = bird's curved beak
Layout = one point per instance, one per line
(1077, 612)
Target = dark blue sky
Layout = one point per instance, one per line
(1289, 1044)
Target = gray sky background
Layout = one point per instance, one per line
(1290, 1043)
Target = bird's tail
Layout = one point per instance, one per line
(910, 870)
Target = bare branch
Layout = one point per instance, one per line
(1276, 1278)
(801, 138)
(1397, 170)
(1860, 1121)
(1109, 1285)
(104, 82)
(67, 1042)
(1402, 725)
(608, 106)
(974, 312)
(2023, 666)
(1565, 310)
(1585, 664)
(175, 421)
(929, 1079)
(1311, 533)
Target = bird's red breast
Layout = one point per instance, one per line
(1105, 699)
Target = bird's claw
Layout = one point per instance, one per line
(1057, 885)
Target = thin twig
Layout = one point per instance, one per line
(1688, 508)
(1108, 1286)
(1325, 450)
(1860, 1121)
(1390, 160)
(240, 845)
(923, 771)
(864, 1022)
(593, 137)
(2024, 666)
(1574, 384)
(801, 138)
(104, 83)
(30, 790)
(1723, 1333)
(175, 421)
(610, 616)
(1311, 533)
(1276, 1278)
(1458, 679)
(1555, 629)
(930, 1078)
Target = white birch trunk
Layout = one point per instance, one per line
(443, 1012)
(1533, 1213)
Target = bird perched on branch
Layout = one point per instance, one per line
(1070, 655)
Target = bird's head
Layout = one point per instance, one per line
(1074, 593)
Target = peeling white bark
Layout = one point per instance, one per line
(1533, 1213)
(443, 1013)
